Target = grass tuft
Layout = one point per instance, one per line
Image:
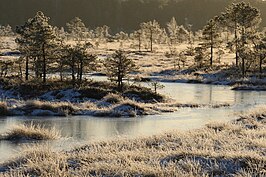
(30, 133)
(113, 98)
(62, 108)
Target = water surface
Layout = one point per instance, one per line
(82, 129)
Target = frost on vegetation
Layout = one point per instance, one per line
(111, 105)
(70, 95)
(30, 132)
(219, 149)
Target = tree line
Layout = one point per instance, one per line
(44, 48)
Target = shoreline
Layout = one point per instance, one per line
(248, 84)
(101, 108)
(205, 151)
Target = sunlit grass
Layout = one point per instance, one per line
(30, 132)
(62, 108)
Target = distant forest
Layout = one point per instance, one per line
(120, 15)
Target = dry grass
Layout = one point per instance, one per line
(116, 106)
(227, 149)
(112, 105)
(62, 108)
(113, 98)
(30, 132)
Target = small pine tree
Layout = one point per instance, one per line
(138, 35)
(200, 57)
(77, 28)
(172, 30)
(102, 33)
(77, 59)
(183, 34)
(151, 29)
(118, 67)
(156, 85)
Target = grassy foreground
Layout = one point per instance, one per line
(221, 149)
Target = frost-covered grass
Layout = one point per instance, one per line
(30, 132)
(55, 90)
(112, 105)
(219, 149)
(60, 108)
(113, 98)
(218, 75)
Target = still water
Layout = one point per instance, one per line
(84, 128)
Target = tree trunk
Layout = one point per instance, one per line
(44, 63)
(262, 57)
(81, 70)
(211, 59)
(151, 37)
(27, 69)
(242, 46)
(236, 43)
(139, 42)
(20, 71)
(243, 66)
(78, 70)
(61, 70)
(73, 73)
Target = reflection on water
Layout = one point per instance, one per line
(208, 94)
(81, 129)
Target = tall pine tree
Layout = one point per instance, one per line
(210, 36)
(37, 40)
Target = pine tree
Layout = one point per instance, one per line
(210, 36)
(118, 67)
(102, 33)
(240, 17)
(84, 60)
(77, 28)
(138, 35)
(172, 28)
(151, 29)
(259, 43)
(156, 85)
(200, 57)
(78, 60)
(25, 45)
(183, 34)
(37, 41)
